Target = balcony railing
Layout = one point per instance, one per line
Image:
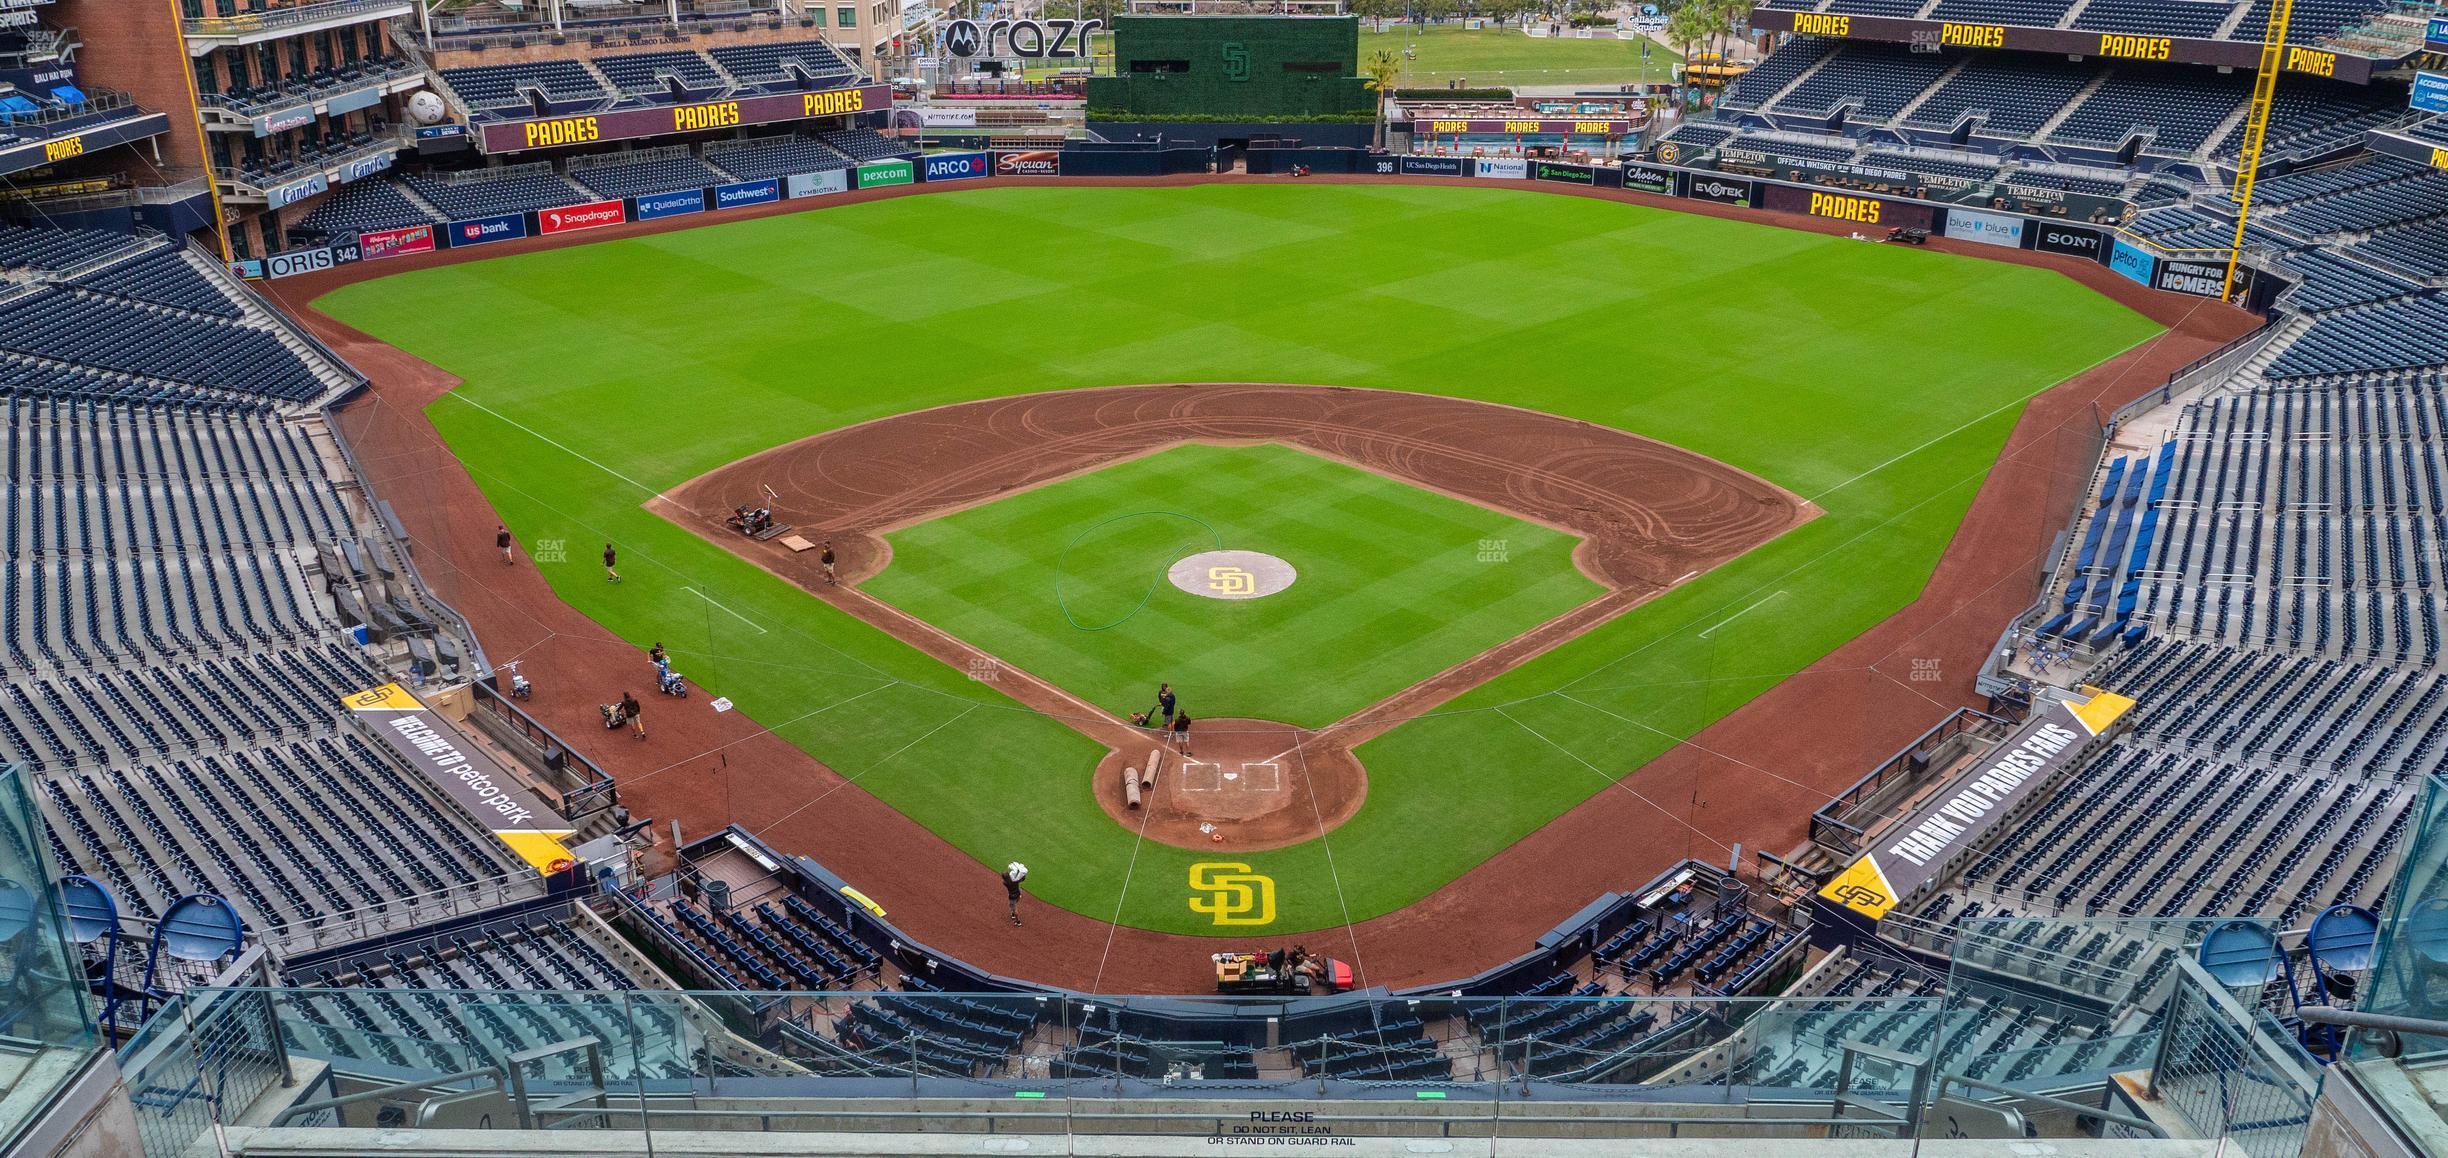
(289, 16)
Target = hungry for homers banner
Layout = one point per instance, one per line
(1918, 849)
(472, 779)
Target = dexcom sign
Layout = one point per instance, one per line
(957, 166)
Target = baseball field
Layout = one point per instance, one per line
(1873, 385)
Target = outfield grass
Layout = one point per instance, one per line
(1877, 381)
(1068, 582)
(1509, 57)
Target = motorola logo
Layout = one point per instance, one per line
(963, 38)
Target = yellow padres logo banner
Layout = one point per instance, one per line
(1231, 581)
(1231, 894)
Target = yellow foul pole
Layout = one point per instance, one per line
(2256, 123)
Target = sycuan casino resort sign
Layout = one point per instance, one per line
(2066, 41)
(629, 124)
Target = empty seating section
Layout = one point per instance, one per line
(2030, 13)
(2199, 19)
(780, 942)
(2329, 281)
(2310, 118)
(770, 65)
(1775, 72)
(58, 250)
(864, 144)
(2182, 107)
(2370, 207)
(763, 157)
(1878, 80)
(661, 174)
(1874, 7)
(377, 1005)
(168, 277)
(515, 192)
(499, 86)
(365, 206)
(2420, 249)
(1837, 148)
(2309, 20)
(2400, 334)
(132, 336)
(2018, 94)
(648, 72)
(1986, 1033)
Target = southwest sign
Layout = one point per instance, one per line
(2142, 45)
(630, 124)
(1920, 848)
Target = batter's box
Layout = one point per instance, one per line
(1201, 776)
(1262, 776)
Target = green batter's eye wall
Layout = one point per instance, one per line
(1233, 67)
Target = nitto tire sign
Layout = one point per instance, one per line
(2066, 239)
(1720, 191)
(957, 166)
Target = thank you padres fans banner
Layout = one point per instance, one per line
(1920, 848)
(470, 778)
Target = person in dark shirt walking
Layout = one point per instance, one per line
(610, 557)
(1011, 876)
(637, 715)
(827, 560)
(501, 539)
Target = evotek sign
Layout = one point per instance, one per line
(1034, 39)
(1720, 190)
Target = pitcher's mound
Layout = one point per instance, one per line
(1232, 574)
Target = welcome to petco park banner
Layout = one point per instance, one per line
(1921, 848)
(629, 124)
(516, 816)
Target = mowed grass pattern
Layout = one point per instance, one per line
(1877, 381)
(1068, 582)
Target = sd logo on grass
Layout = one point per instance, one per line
(1231, 581)
(1231, 894)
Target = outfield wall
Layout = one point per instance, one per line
(2190, 273)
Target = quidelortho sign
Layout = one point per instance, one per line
(1921, 847)
(686, 201)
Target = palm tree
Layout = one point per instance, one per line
(1382, 68)
(1687, 27)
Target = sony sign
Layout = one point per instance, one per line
(1034, 39)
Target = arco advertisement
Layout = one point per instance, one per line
(957, 166)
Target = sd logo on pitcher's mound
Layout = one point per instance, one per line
(1232, 574)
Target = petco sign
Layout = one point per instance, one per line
(592, 215)
(958, 166)
(1057, 39)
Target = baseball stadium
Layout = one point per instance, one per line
(751, 577)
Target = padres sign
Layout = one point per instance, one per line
(1228, 892)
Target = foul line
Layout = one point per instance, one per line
(1113, 928)
(1326, 844)
(540, 437)
(726, 610)
(1739, 614)
(1617, 781)
(847, 781)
